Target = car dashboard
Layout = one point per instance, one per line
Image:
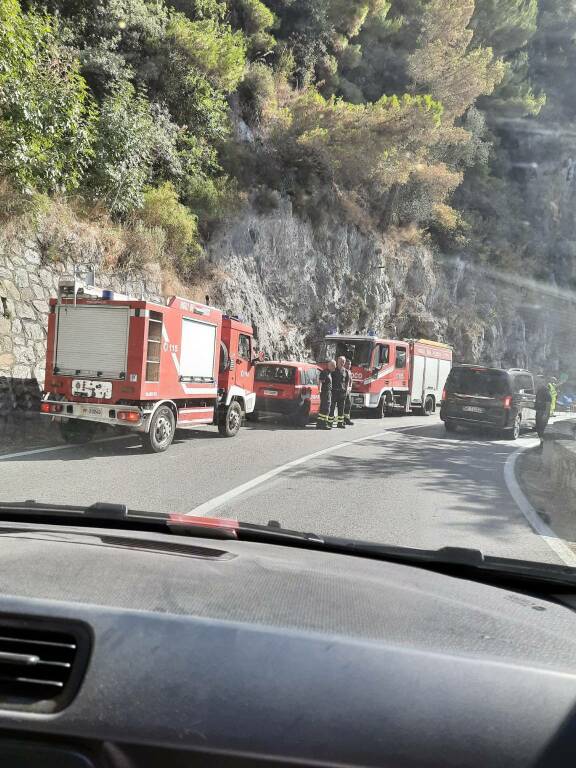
(229, 653)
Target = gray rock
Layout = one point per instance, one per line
(24, 310)
(21, 372)
(21, 278)
(34, 331)
(24, 354)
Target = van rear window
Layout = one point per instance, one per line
(282, 374)
(480, 382)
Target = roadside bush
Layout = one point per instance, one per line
(124, 150)
(257, 92)
(162, 209)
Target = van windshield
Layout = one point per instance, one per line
(284, 374)
(478, 381)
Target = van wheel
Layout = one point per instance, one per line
(449, 426)
(229, 420)
(162, 429)
(77, 432)
(428, 408)
(514, 433)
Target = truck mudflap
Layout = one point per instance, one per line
(112, 415)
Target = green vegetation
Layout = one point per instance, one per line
(405, 112)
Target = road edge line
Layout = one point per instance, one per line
(19, 454)
(204, 509)
(533, 518)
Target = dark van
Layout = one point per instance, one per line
(493, 398)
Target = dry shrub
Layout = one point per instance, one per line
(411, 234)
(355, 212)
(142, 245)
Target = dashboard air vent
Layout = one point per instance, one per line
(41, 663)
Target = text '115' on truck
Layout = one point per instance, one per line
(150, 367)
(392, 375)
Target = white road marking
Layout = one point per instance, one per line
(538, 525)
(66, 447)
(209, 506)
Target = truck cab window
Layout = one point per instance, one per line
(244, 347)
(401, 357)
(382, 355)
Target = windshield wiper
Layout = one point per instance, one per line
(461, 562)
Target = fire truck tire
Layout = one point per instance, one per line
(428, 408)
(229, 420)
(77, 432)
(381, 409)
(161, 433)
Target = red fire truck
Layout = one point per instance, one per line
(125, 362)
(392, 375)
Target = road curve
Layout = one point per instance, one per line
(402, 481)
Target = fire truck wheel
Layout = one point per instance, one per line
(77, 432)
(428, 408)
(162, 428)
(229, 420)
(380, 410)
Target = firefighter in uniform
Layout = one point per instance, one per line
(323, 421)
(348, 402)
(340, 378)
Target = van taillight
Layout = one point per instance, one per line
(443, 394)
(507, 401)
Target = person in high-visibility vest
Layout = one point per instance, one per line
(324, 420)
(553, 387)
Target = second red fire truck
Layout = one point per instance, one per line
(391, 375)
(124, 362)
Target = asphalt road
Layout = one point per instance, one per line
(402, 481)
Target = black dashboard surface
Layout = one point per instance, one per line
(236, 648)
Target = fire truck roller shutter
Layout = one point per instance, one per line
(92, 339)
(198, 350)
(418, 375)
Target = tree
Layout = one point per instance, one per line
(445, 64)
(46, 114)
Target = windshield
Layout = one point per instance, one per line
(470, 381)
(359, 352)
(283, 374)
(192, 191)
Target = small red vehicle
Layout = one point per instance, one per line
(287, 388)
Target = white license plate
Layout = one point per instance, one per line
(87, 388)
(91, 410)
(472, 409)
(271, 392)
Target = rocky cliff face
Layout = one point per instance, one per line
(296, 281)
